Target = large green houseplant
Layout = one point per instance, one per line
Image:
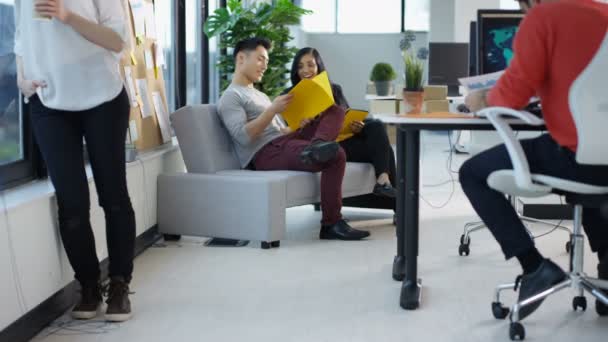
(237, 22)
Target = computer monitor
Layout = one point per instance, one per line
(473, 49)
(447, 63)
(496, 30)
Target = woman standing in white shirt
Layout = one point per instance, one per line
(68, 68)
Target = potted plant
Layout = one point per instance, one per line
(413, 94)
(239, 21)
(382, 75)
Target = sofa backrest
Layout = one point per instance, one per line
(205, 144)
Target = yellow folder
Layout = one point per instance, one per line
(351, 116)
(310, 97)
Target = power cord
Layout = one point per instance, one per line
(552, 229)
(451, 181)
(12, 256)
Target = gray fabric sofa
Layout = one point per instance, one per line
(216, 198)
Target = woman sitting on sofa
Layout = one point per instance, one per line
(370, 142)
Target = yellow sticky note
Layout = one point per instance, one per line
(133, 59)
(351, 116)
(156, 72)
(310, 98)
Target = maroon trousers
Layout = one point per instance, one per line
(283, 153)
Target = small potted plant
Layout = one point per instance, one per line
(382, 75)
(413, 94)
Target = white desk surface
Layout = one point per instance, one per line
(395, 119)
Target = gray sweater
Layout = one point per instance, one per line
(239, 105)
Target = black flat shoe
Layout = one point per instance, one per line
(341, 231)
(319, 152)
(547, 275)
(385, 190)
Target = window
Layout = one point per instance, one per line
(165, 16)
(379, 16)
(417, 15)
(17, 162)
(323, 18)
(509, 5)
(193, 51)
(11, 135)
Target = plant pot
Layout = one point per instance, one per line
(382, 87)
(413, 101)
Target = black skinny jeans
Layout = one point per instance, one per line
(544, 156)
(371, 145)
(59, 135)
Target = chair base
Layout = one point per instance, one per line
(576, 279)
(464, 248)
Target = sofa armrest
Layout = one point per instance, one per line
(225, 206)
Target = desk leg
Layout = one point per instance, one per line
(399, 261)
(411, 288)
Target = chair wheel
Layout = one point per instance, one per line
(275, 244)
(568, 246)
(517, 331)
(499, 311)
(579, 302)
(601, 308)
(462, 242)
(464, 250)
(172, 237)
(265, 245)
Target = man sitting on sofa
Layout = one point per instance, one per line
(248, 116)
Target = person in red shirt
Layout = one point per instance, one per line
(555, 42)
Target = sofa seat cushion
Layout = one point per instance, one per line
(304, 187)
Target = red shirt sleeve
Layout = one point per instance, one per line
(529, 66)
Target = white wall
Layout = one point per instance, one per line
(450, 19)
(349, 59)
(33, 264)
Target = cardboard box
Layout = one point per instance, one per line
(432, 93)
(436, 106)
(383, 106)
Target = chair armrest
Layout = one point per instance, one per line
(497, 116)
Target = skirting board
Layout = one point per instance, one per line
(30, 324)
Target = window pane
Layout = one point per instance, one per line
(378, 16)
(11, 136)
(164, 26)
(214, 75)
(323, 18)
(193, 51)
(417, 15)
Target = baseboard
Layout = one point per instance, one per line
(30, 324)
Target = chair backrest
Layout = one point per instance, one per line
(205, 144)
(589, 106)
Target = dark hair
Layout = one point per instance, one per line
(295, 78)
(251, 44)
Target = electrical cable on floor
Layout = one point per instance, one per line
(552, 229)
(451, 181)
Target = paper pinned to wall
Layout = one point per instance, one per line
(130, 87)
(149, 20)
(159, 55)
(160, 38)
(139, 17)
(162, 116)
(142, 89)
(148, 59)
(133, 131)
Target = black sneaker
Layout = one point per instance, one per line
(119, 306)
(319, 152)
(341, 231)
(547, 275)
(602, 273)
(90, 302)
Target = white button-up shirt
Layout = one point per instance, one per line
(79, 74)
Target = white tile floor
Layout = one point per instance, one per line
(311, 290)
